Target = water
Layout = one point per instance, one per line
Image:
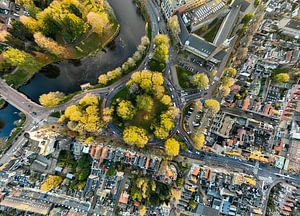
(8, 116)
(67, 76)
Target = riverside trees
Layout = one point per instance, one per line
(55, 31)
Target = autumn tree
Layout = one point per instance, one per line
(231, 72)
(30, 23)
(142, 210)
(175, 194)
(281, 78)
(17, 57)
(199, 139)
(126, 110)
(212, 105)
(103, 79)
(50, 183)
(51, 99)
(166, 100)
(172, 147)
(133, 135)
(51, 45)
(3, 36)
(200, 80)
(227, 81)
(161, 51)
(144, 102)
(224, 91)
(107, 114)
(85, 117)
(98, 21)
(173, 25)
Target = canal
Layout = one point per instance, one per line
(67, 76)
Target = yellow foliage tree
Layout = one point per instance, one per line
(30, 23)
(50, 183)
(103, 79)
(89, 99)
(133, 135)
(142, 210)
(51, 99)
(98, 21)
(199, 140)
(51, 45)
(3, 36)
(172, 147)
(126, 110)
(212, 105)
(200, 80)
(166, 100)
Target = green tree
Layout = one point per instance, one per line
(246, 19)
(193, 204)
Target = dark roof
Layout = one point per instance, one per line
(244, 4)
(293, 24)
(206, 211)
(184, 34)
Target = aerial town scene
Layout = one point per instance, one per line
(150, 107)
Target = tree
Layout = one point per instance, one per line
(281, 78)
(89, 99)
(98, 21)
(227, 81)
(256, 3)
(198, 106)
(144, 102)
(231, 72)
(30, 23)
(126, 110)
(173, 25)
(166, 100)
(246, 19)
(161, 51)
(145, 41)
(107, 114)
(172, 147)
(200, 80)
(176, 194)
(85, 117)
(103, 79)
(212, 105)
(50, 183)
(73, 27)
(3, 36)
(142, 210)
(192, 204)
(199, 140)
(224, 91)
(51, 99)
(17, 57)
(133, 135)
(51, 45)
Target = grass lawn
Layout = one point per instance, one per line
(184, 77)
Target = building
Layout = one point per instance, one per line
(290, 27)
(294, 142)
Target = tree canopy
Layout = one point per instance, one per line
(172, 147)
(51, 99)
(212, 105)
(133, 135)
(200, 80)
(281, 78)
